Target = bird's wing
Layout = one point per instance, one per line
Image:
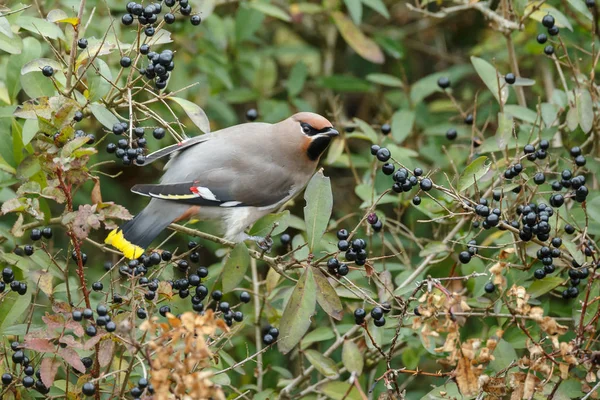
(223, 193)
(165, 151)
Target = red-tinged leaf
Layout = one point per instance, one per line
(75, 327)
(48, 370)
(54, 322)
(327, 297)
(93, 341)
(61, 307)
(72, 358)
(111, 210)
(369, 270)
(40, 345)
(85, 220)
(365, 47)
(70, 342)
(296, 318)
(107, 347)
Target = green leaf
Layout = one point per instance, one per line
(542, 9)
(324, 365)
(549, 113)
(504, 131)
(317, 335)
(342, 83)
(543, 286)
(96, 47)
(30, 128)
(39, 63)
(38, 25)
(263, 226)
(12, 309)
(574, 251)
(355, 9)
(327, 298)
(402, 125)
(235, 267)
(271, 10)
(319, 203)
(522, 113)
(580, 7)
(247, 22)
(297, 78)
(352, 357)
(378, 6)
(572, 118)
(296, 318)
(265, 77)
(98, 86)
(196, 114)
(593, 209)
(37, 85)
(385, 80)
(490, 77)
(28, 168)
(340, 391)
(103, 115)
(366, 129)
(11, 45)
(585, 109)
(474, 171)
(365, 47)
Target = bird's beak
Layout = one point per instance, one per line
(331, 132)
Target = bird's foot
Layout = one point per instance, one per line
(263, 243)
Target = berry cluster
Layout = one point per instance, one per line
(8, 278)
(103, 319)
(131, 152)
(377, 313)
(548, 22)
(28, 381)
(375, 222)
(355, 252)
(148, 15)
(142, 385)
(404, 181)
(159, 67)
(270, 334)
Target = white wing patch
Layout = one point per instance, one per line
(230, 204)
(203, 192)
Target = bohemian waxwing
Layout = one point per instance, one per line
(235, 175)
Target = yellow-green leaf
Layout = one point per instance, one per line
(235, 267)
(319, 203)
(327, 298)
(196, 114)
(365, 47)
(474, 171)
(296, 318)
(352, 357)
(324, 365)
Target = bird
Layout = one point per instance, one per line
(235, 175)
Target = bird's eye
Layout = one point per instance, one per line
(306, 128)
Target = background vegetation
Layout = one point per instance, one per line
(478, 303)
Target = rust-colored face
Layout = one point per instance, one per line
(317, 132)
(314, 120)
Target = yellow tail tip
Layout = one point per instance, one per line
(116, 239)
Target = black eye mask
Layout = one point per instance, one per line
(310, 131)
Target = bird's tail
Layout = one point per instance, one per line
(133, 237)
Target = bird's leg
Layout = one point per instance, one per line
(264, 243)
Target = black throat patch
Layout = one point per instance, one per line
(317, 147)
